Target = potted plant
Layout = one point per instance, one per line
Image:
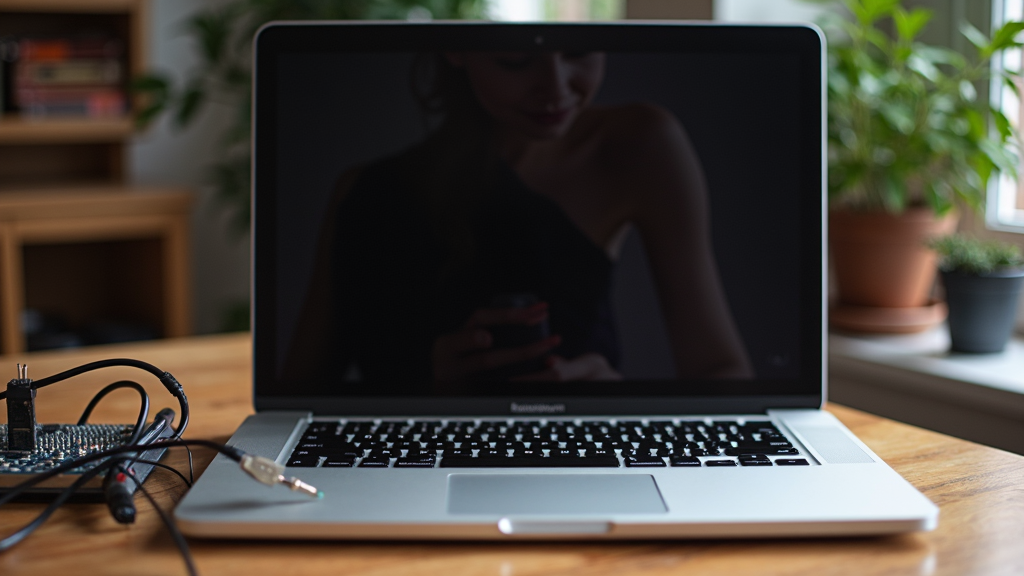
(910, 145)
(983, 283)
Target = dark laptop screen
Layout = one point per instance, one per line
(563, 212)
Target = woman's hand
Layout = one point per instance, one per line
(461, 354)
(590, 366)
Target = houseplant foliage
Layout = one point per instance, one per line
(223, 37)
(967, 255)
(910, 139)
(983, 282)
(906, 123)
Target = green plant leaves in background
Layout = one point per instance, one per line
(906, 124)
(962, 253)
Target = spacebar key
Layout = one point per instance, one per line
(506, 462)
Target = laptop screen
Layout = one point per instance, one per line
(538, 212)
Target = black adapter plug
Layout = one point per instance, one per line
(21, 413)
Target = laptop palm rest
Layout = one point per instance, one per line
(553, 494)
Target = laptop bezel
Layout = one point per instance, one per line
(275, 38)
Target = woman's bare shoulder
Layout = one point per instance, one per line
(637, 138)
(631, 123)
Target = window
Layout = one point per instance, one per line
(1005, 210)
(561, 10)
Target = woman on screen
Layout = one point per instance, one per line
(485, 253)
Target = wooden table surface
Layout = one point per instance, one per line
(980, 492)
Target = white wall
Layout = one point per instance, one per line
(164, 155)
(767, 11)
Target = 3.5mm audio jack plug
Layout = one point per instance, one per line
(270, 473)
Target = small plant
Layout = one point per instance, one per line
(906, 125)
(962, 253)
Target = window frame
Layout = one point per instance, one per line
(1004, 211)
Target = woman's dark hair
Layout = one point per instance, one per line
(458, 161)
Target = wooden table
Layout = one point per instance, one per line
(980, 491)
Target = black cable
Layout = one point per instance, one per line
(191, 469)
(165, 467)
(169, 382)
(21, 533)
(140, 422)
(229, 451)
(43, 382)
(176, 535)
(124, 456)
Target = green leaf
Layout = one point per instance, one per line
(150, 84)
(155, 90)
(869, 11)
(189, 105)
(967, 91)
(899, 116)
(977, 123)
(1002, 123)
(974, 35)
(924, 68)
(212, 30)
(1004, 159)
(910, 24)
(939, 197)
(1011, 81)
(1005, 37)
(894, 194)
(146, 116)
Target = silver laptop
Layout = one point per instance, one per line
(543, 281)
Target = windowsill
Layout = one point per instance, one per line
(928, 353)
(914, 378)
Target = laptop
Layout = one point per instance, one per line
(543, 281)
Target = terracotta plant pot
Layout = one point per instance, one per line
(881, 262)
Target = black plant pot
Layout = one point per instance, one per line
(982, 309)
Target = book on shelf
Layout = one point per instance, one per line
(8, 52)
(81, 77)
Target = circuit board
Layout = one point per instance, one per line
(55, 445)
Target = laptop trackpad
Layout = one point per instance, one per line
(553, 494)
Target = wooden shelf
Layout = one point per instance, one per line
(15, 129)
(77, 246)
(111, 246)
(108, 201)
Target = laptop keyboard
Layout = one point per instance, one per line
(543, 444)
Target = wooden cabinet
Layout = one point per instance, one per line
(77, 242)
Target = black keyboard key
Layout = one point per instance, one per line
(684, 461)
(339, 461)
(589, 462)
(645, 462)
(782, 443)
(719, 462)
(743, 457)
(791, 462)
(765, 462)
(303, 461)
(375, 462)
(414, 463)
(761, 450)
